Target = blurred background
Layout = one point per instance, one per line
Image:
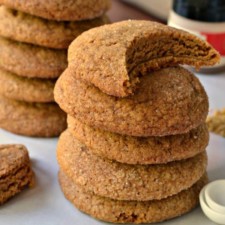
(140, 9)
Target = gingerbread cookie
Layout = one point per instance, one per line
(26, 89)
(15, 171)
(116, 211)
(140, 150)
(23, 27)
(31, 119)
(122, 181)
(114, 57)
(30, 60)
(70, 10)
(169, 101)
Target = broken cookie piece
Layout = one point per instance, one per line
(15, 171)
(117, 55)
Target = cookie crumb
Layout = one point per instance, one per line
(216, 122)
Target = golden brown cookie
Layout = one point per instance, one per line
(168, 101)
(26, 89)
(31, 119)
(140, 150)
(116, 211)
(15, 171)
(23, 27)
(30, 60)
(122, 181)
(61, 10)
(114, 57)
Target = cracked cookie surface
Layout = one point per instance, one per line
(67, 10)
(122, 181)
(31, 119)
(140, 150)
(31, 61)
(15, 171)
(26, 89)
(23, 27)
(169, 101)
(115, 211)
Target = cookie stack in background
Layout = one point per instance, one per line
(33, 54)
(134, 150)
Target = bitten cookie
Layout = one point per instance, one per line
(122, 181)
(15, 171)
(169, 101)
(26, 89)
(35, 30)
(31, 119)
(116, 211)
(30, 60)
(114, 57)
(140, 150)
(60, 10)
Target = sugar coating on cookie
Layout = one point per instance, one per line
(122, 181)
(67, 10)
(23, 27)
(31, 60)
(31, 119)
(140, 150)
(15, 171)
(26, 89)
(169, 101)
(114, 57)
(116, 211)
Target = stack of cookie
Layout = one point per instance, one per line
(34, 39)
(134, 150)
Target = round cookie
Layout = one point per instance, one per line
(169, 101)
(122, 181)
(31, 119)
(23, 27)
(70, 10)
(26, 89)
(116, 211)
(30, 60)
(15, 171)
(140, 150)
(114, 57)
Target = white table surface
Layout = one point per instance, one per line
(45, 204)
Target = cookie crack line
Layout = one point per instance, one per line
(140, 47)
(18, 176)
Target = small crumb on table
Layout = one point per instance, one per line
(216, 122)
